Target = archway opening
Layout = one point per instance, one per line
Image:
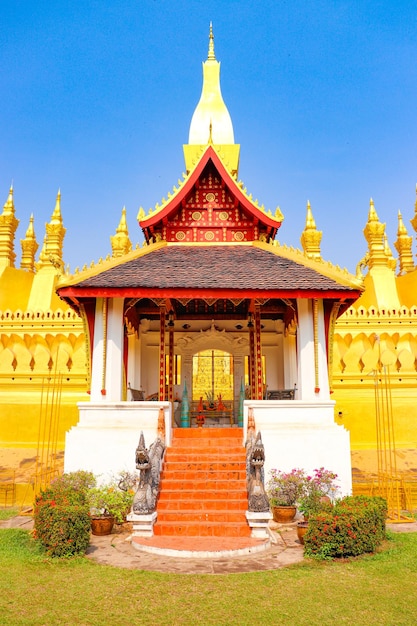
(212, 376)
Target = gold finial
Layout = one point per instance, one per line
(51, 253)
(8, 208)
(210, 139)
(8, 226)
(374, 232)
(404, 246)
(401, 226)
(372, 215)
(310, 223)
(29, 248)
(311, 237)
(120, 242)
(56, 215)
(211, 55)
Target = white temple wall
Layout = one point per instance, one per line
(302, 434)
(105, 439)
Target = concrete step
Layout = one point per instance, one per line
(202, 529)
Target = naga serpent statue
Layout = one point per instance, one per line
(255, 459)
(148, 462)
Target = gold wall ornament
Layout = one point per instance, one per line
(104, 360)
(316, 345)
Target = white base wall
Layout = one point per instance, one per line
(106, 437)
(295, 434)
(298, 434)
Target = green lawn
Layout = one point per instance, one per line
(376, 589)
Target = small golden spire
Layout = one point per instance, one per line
(8, 208)
(56, 215)
(372, 215)
(211, 56)
(8, 226)
(120, 242)
(51, 253)
(311, 237)
(374, 232)
(29, 247)
(403, 246)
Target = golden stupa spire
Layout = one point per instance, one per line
(211, 55)
(374, 232)
(404, 246)
(211, 109)
(29, 248)
(8, 226)
(311, 237)
(120, 242)
(51, 253)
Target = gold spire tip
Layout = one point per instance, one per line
(211, 54)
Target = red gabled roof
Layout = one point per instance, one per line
(159, 218)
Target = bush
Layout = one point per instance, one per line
(72, 487)
(61, 519)
(62, 528)
(355, 525)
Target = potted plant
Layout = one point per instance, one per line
(319, 491)
(108, 504)
(284, 490)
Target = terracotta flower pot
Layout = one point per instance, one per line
(284, 514)
(301, 531)
(102, 525)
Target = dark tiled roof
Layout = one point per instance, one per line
(213, 267)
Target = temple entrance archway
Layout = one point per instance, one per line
(213, 376)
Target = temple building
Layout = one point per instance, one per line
(211, 322)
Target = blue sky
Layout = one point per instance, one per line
(97, 98)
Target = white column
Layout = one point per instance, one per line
(310, 387)
(290, 360)
(133, 360)
(97, 350)
(324, 393)
(305, 349)
(114, 364)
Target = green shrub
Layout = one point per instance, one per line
(354, 526)
(72, 487)
(61, 518)
(62, 528)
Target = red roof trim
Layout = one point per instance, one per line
(172, 205)
(74, 293)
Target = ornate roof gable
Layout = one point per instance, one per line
(209, 207)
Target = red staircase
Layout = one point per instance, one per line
(203, 485)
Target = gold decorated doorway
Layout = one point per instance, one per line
(213, 382)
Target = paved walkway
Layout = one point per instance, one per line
(116, 550)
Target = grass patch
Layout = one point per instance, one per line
(375, 589)
(8, 513)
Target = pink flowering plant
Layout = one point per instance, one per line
(320, 490)
(286, 488)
